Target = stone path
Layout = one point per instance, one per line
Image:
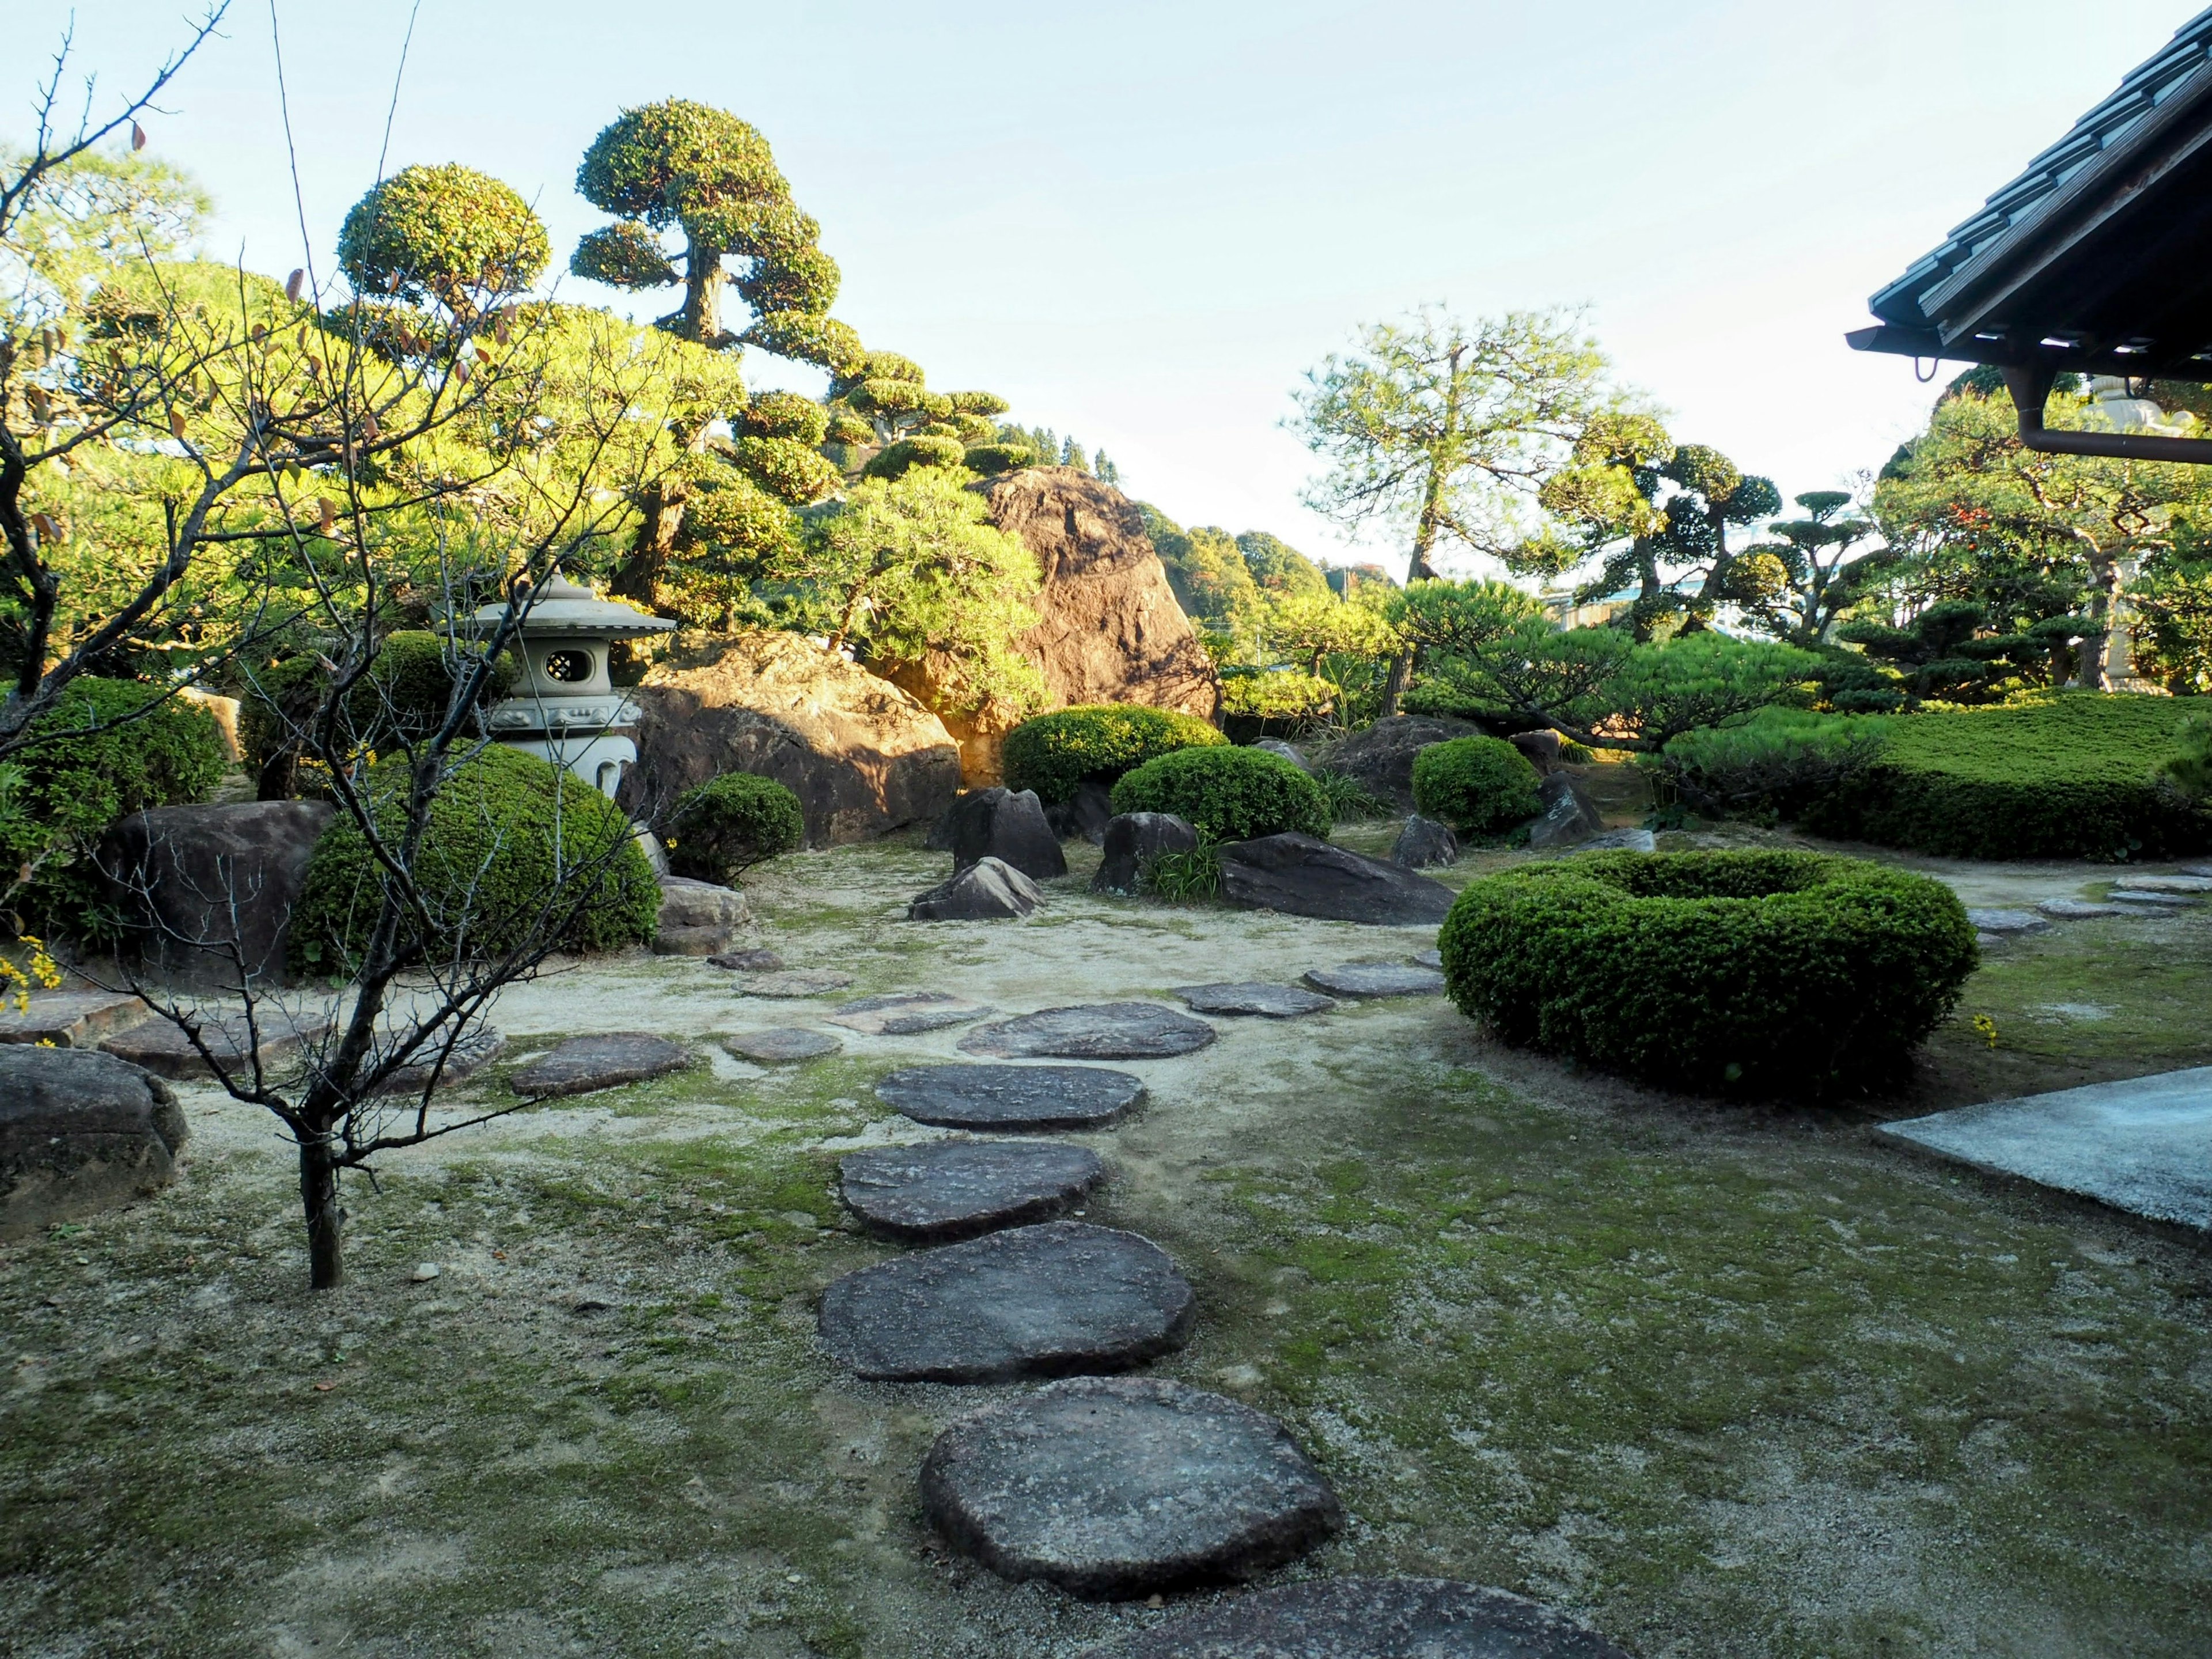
(1120, 1487)
(945, 1189)
(747, 962)
(1374, 1618)
(2074, 910)
(70, 1019)
(1012, 1096)
(1105, 1030)
(1253, 997)
(794, 983)
(2152, 900)
(2007, 922)
(1378, 979)
(904, 1013)
(1043, 1301)
(781, 1042)
(585, 1063)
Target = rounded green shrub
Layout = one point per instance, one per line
(1227, 794)
(516, 850)
(725, 825)
(1754, 972)
(404, 695)
(1055, 753)
(1479, 786)
(442, 233)
(896, 460)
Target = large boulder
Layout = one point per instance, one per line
(862, 756)
(987, 891)
(1107, 630)
(1381, 758)
(1424, 844)
(1006, 824)
(697, 918)
(211, 888)
(79, 1130)
(1569, 817)
(1134, 840)
(1299, 876)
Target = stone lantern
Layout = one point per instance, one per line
(565, 708)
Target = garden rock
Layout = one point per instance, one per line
(904, 1013)
(2146, 899)
(1008, 825)
(1134, 840)
(80, 1132)
(944, 1189)
(161, 1046)
(747, 962)
(1121, 1487)
(1568, 819)
(697, 918)
(1101, 1030)
(1621, 841)
(2074, 910)
(1012, 1096)
(1541, 748)
(1424, 844)
(1299, 876)
(584, 1064)
(1286, 751)
(1251, 997)
(1378, 979)
(70, 1019)
(2007, 921)
(780, 1043)
(1085, 816)
(862, 756)
(794, 984)
(211, 888)
(2182, 883)
(987, 890)
(475, 1051)
(1429, 959)
(1374, 1618)
(1059, 1298)
(1381, 758)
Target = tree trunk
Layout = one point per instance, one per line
(1393, 686)
(638, 577)
(2105, 576)
(702, 295)
(318, 1198)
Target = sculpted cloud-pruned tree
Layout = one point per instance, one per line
(885, 401)
(1799, 585)
(448, 234)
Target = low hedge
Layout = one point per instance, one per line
(2063, 774)
(1227, 794)
(506, 833)
(723, 827)
(1753, 972)
(1479, 786)
(1055, 753)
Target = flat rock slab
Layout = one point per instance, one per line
(1101, 1030)
(1012, 1096)
(70, 1019)
(2153, 899)
(1122, 1486)
(747, 962)
(1621, 841)
(794, 983)
(946, 1189)
(2182, 883)
(1253, 997)
(162, 1047)
(2007, 922)
(2074, 910)
(1429, 959)
(1295, 875)
(782, 1042)
(903, 1013)
(1378, 979)
(1059, 1298)
(462, 1061)
(2143, 1146)
(1374, 1618)
(585, 1063)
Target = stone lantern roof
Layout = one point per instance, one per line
(563, 607)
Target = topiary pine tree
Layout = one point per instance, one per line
(445, 233)
(885, 401)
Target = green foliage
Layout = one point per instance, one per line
(515, 850)
(2173, 638)
(1773, 765)
(1284, 698)
(403, 697)
(1948, 654)
(1227, 794)
(448, 234)
(988, 460)
(2060, 774)
(1186, 878)
(725, 826)
(1207, 569)
(1479, 786)
(1349, 800)
(2191, 768)
(1055, 753)
(1278, 567)
(1719, 972)
(925, 449)
(787, 414)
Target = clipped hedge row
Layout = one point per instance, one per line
(1754, 972)
(2067, 775)
(1227, 794)
(1054, 753)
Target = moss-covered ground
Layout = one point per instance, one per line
(1728, 1382)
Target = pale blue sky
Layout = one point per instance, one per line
(1142, 222)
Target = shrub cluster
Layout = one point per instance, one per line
(1756, 972)
(515, 849)
(1479, 786)
(725, 825)
(1227, 794)
(1055, 753)
(404, 695)
(1776, 764)
(2063, 774)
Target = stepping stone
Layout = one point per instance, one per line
(2007, 922)
(585, 1063)
(1012, 1096)
(947, 1190)
(1120, 1486)
(902, 1014)
(1621, 841)
(1249, 997)
(1103, 1031)
(160, 1047)
(2190, 883)
(2074, 910)
(2202, 872)
(1374, 1618)
(747, 962)
(70, 1019)
(2146, 899)
(794, 983)
(1042, 1301)
(1429, 959)
(781, 1042)
(1377, 979)
(475, 1051)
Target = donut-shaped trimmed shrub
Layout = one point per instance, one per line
(1722, 972)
